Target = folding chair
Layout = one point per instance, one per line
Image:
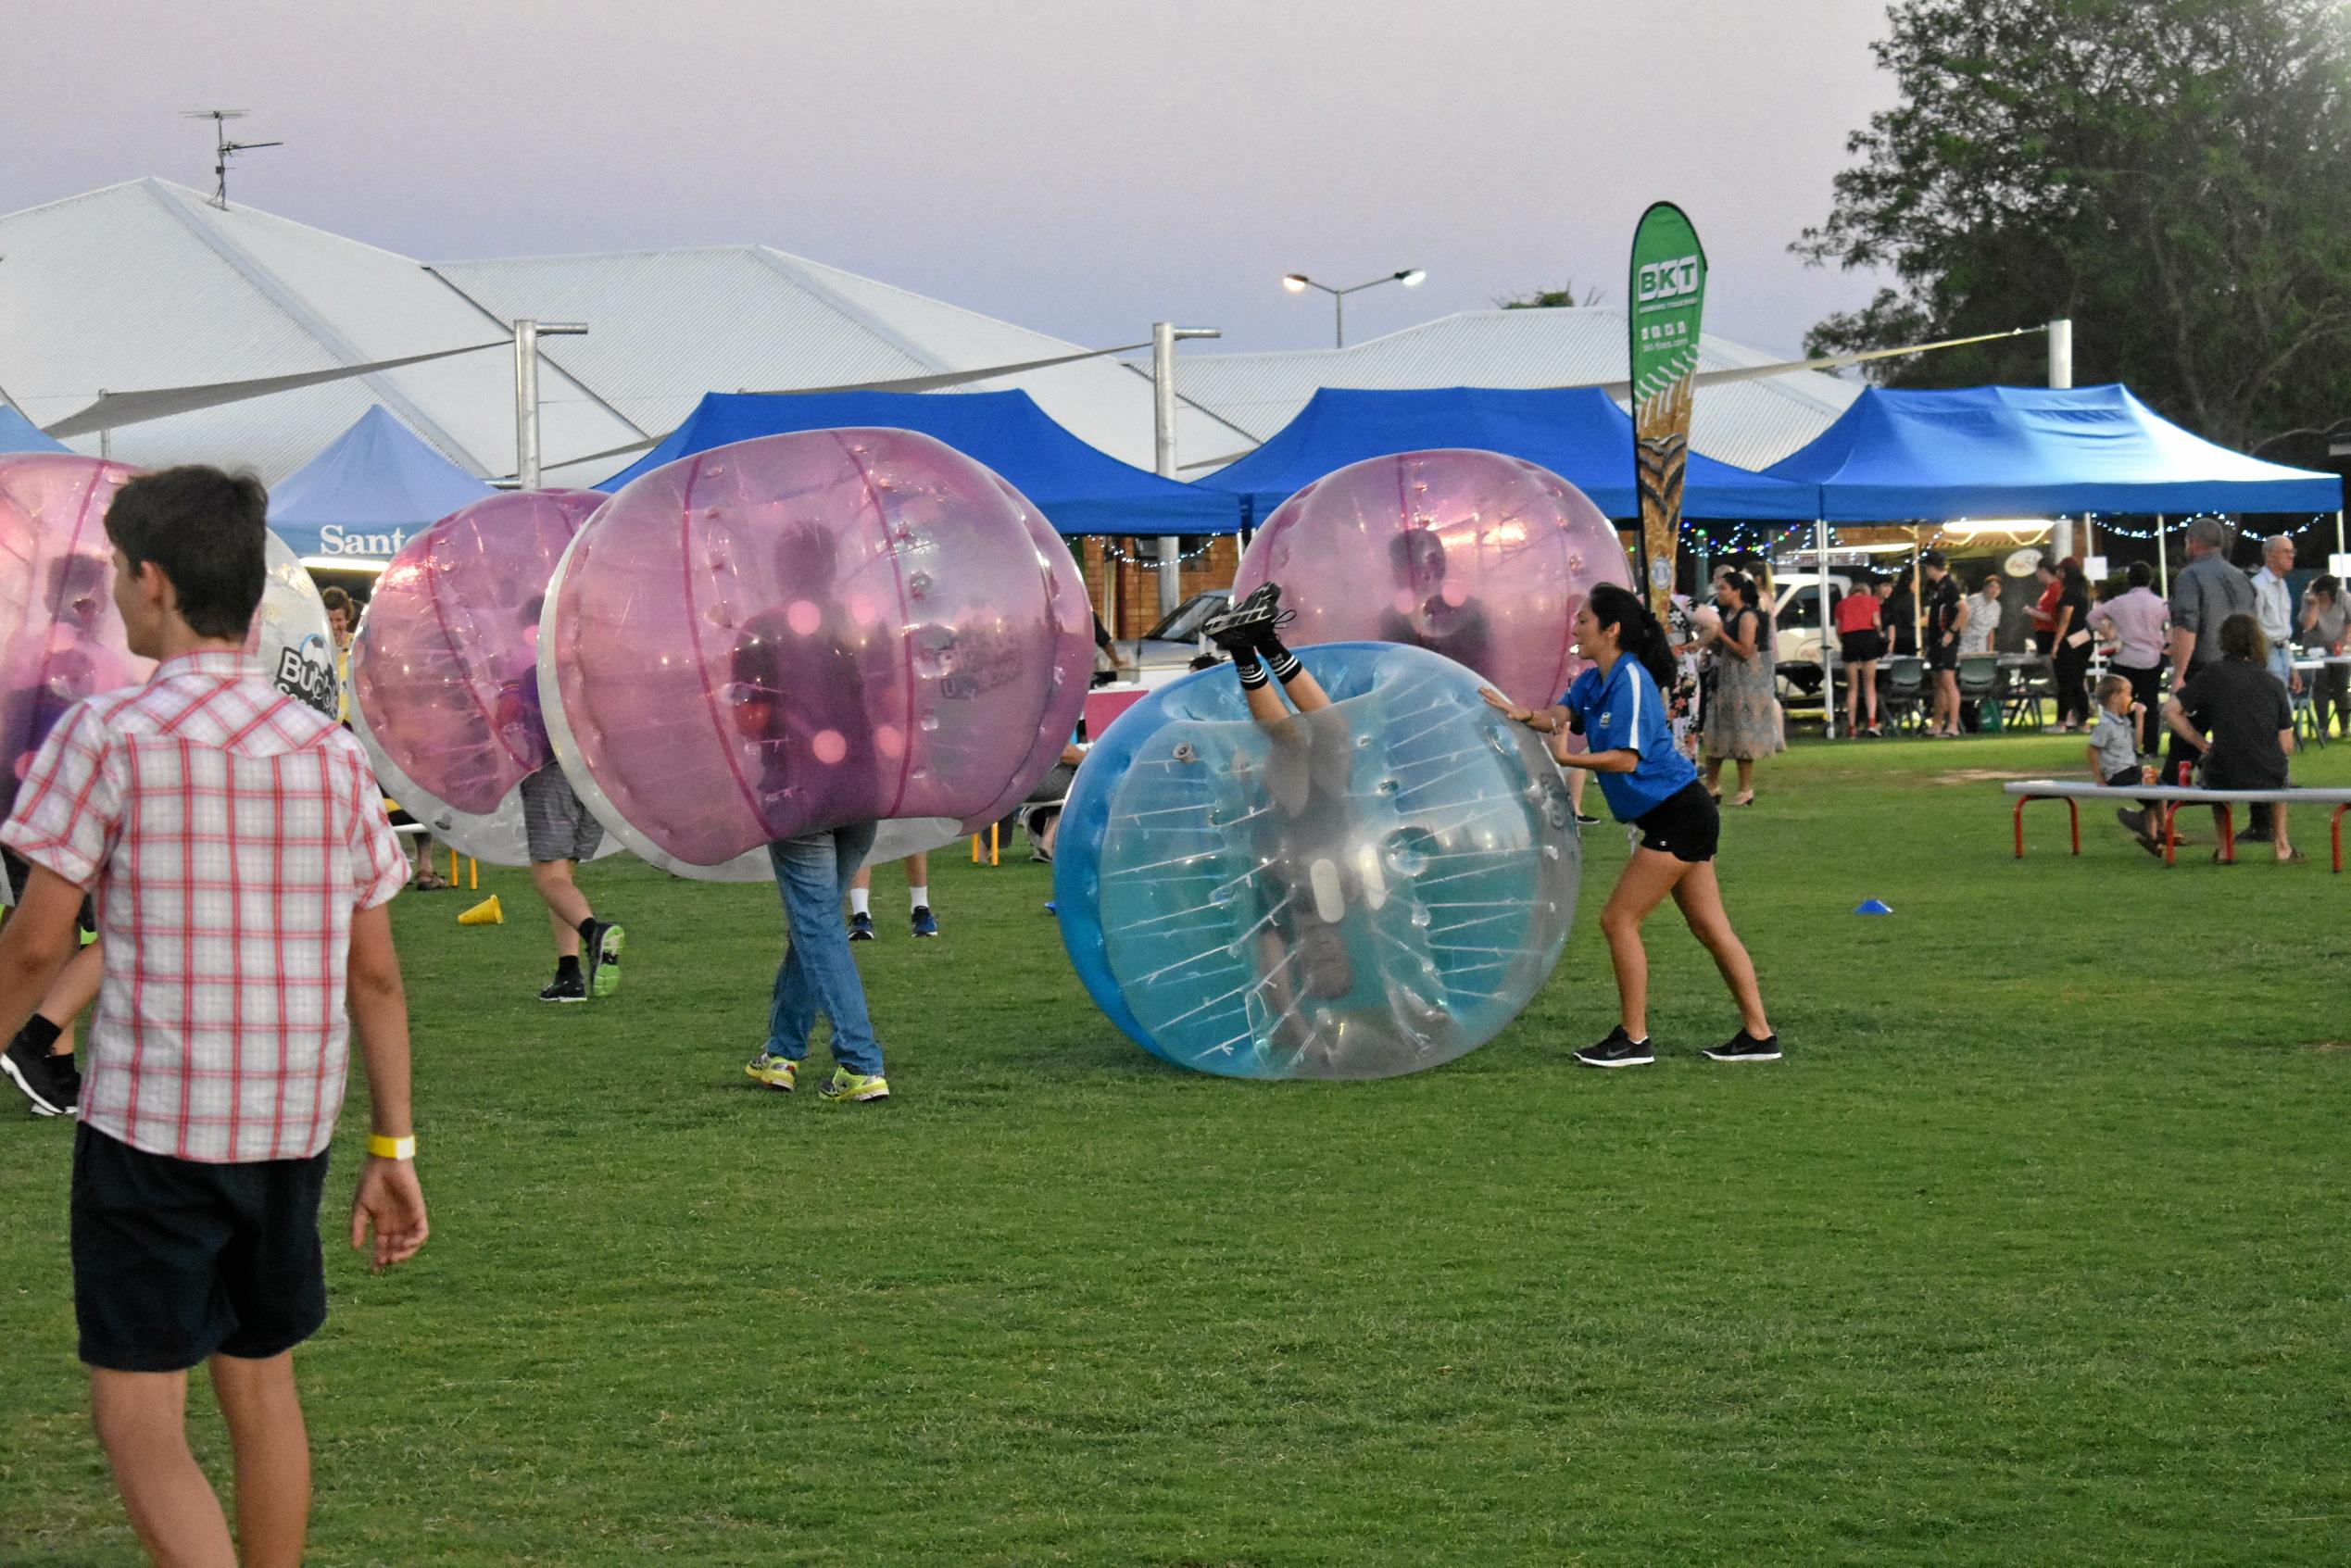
(1901, 683)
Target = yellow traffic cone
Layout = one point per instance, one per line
(486, 912)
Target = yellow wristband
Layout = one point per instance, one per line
(391, 1148)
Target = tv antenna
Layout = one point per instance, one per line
(223, 148)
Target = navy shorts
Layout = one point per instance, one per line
(1686, 824)
(175, 1260)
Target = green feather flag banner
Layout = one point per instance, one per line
(1667, 291)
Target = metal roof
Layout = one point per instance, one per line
(1751, 424)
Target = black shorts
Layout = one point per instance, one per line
(175, 1260)
(1942, 654)
(1686, 824)
(1864, 646)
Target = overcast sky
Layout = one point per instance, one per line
(1079, 167)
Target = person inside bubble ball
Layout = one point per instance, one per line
(1424, 613)
(798, 694)
(1651, 785)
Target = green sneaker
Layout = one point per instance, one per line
(846, 1088)
(603, 958)
(776, 1071)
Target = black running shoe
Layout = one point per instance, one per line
(601, 947)
(1585, 820)
(1239, 627)
(1744, 1047)
(1619, 1049)
(861, 928)
(35, 1071)
(566, 989)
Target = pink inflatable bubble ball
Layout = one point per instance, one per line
(445, 667)
(61, 638)
(1480, 557)
(803, 631)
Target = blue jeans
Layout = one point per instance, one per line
(818, 974)
(2281, 664)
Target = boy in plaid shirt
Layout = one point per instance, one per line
(242, 865)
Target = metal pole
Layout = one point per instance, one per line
(1163, 336)
(2061, 377)
(1338, 314)
(2163, 559)
(526, 404)
(1828, 671)
(2338, 531)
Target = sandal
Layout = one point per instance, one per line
(430, 882)
(1746, 799)
(2293, 858)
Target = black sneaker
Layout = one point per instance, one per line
(2134, 822)
(35, 1071)
(925, 924)
(566, 989)
(1585, 820)
(1239, 627)
(861, 928)
(1744, 1047)
(601, 947)
(1619, 1049)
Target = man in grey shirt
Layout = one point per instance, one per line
(2207, 591)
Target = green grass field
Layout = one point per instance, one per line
(2033, 1251)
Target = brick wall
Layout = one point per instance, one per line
(1137, 587)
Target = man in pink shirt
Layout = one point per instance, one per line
(241, 862)
(2135, 620)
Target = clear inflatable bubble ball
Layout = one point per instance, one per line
(804, 631)
(1371, 888)
(1482, 558)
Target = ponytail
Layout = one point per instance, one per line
(1637, 633)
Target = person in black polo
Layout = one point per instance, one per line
(2238, 716)
(1942, 606)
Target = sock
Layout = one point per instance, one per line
(861, 901)
(583, 927)
(567, 968)
(39, 1032)
(1280, 659)
(1246, 666)
(921, 896)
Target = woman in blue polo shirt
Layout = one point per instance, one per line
(1614, 704)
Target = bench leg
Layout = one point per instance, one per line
(2228, 835)
(2171, 832)
(2073, 818)
(2020, 824)
(2073, 813)
(2334, 831)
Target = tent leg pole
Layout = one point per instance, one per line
(1828, 671)
(2163, 559)
(2338, 531)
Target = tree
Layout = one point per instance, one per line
(1549, 299)
(2174, 175)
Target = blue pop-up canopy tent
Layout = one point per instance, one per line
(374, 487)
(1080, 489)
(2002, 451)
(1574, 431)
(20, 434)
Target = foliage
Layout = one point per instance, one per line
(2031, 1252)
(1550, 299)
(2174, 175)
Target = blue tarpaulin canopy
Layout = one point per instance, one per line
(2006, 451)
(1574, 431)
(1080, 489)
(20, 434)
(375, 486)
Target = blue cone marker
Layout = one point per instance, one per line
(1873, 907)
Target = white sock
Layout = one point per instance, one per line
(861, 901)
(920, 895)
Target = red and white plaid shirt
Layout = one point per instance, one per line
(229, 832)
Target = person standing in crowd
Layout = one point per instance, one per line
(1943, 612)
(1860, 643)
(918, 893)
(2206, 592)
(2273, 607)
(2326, 623)
(1647, 782)
(2134, 620)
(220, 1053)
(1741, 724)
(1899, 617)
(2239, 719)
(2043, 614)
(2070, 641)
(1978, 625)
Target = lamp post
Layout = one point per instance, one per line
(1298, 283)
(527, 334)
(1165, 335)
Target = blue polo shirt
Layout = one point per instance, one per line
(1621, 712)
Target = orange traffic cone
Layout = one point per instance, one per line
(486, 912)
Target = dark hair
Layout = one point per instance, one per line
(2327, 583)
(203, 529)
(1745, 588)
(1637, 632)
(2070, 569)
(2045, 564)
(2241, 637)
(2140, 575)
(335, 599)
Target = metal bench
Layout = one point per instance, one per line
(2170, 798)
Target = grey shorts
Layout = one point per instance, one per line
(554, 822)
